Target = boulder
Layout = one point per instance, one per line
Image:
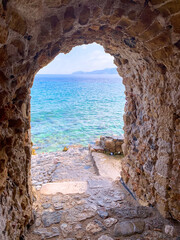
(128, 228)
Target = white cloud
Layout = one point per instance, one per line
(82, 58)
(84, 46)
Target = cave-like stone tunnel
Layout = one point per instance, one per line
(144, 39)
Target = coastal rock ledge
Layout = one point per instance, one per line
(144, 39)
(112, 145)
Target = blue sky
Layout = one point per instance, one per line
(82, 58)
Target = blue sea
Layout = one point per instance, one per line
(75, 109)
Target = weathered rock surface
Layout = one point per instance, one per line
(109, 222)
(45, 234)
(144, 39)
(49, 218)
(94, 227)
(108, 166)
(104, 210)
(111, 145)
(133, 212)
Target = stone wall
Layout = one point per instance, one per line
(144, 38)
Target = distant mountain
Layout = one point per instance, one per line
(104, 71)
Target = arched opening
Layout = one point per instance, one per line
(143, 37)
(77, 187)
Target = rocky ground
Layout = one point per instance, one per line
(78, 195)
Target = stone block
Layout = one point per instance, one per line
(3, 79)
(161, 167)
(169, 230)
(128, 228)
(118, 145)
(69, 18)
(158, 42)
(102, 214)
(19, 45)
(124, 22)
(107, 7)
(115, 18)
(45, 234)
(84, 16)
(109, 222)
(94, 227)
(49, 218)
(124, 149)
(160, 54)
(152, 31)
(147, 16)
(162, 206)
(17, 23)
(175, 21)
(4, 34)
(169, 8)
(66, 229)
(132, 212)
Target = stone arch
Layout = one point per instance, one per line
(143, 37)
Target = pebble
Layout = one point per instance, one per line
(66, 229)
(79, 232)
(58, 206)
(79, 213)
(78, 227)
(38, 188)
(109, 222)
(40, 231)
(169, 230)
(46, 205)
(101, 203)
(102, 214)
(46, 234)
(93, 227)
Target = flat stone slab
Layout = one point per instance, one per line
(49, 218)
(108, 166)
(45, 234)
(64, 188)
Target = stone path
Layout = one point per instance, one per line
(76, 198)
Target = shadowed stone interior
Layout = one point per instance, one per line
(144, 38)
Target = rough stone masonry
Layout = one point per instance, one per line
(144, 38)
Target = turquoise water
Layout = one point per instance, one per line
(72, 109)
